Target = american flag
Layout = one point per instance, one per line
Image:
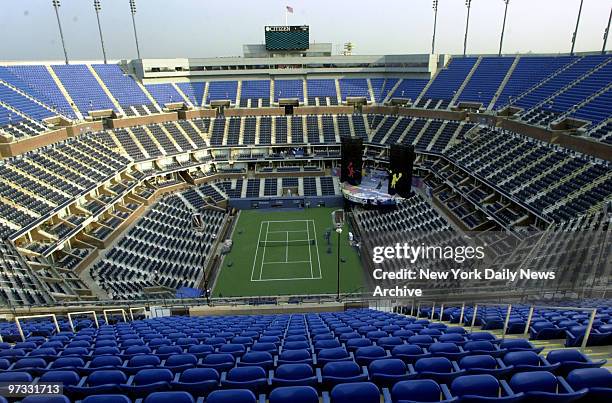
(290, 9)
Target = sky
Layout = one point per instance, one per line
(206, 28)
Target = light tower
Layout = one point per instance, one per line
(501, 41)
(97, 7)
(56, 4)
(468, 4)
(433, 40)
(606, 33)
(133, 11)
(576, 30)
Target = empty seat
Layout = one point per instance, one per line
(294, 375)
(294, 394)
(569, 360)
(482, 388)
(197, 381)
(231, 396)
(257, 358)
(419, 390)
(147, 381)
(387, 372)
(362, 392)
(544, 386)
(165, 397)
(252, 378)
(597, 381)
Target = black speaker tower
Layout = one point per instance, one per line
(352, 160)
(400, 169)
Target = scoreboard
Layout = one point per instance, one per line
(287, 38)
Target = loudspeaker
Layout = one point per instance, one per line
(400, 169)
(351, 160)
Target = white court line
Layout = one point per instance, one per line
(317, 248)
(263, 262)
(287, 248)
(287, 279)
(309, 250)
(256, 250)
(282, 232)
(263, 255)
(294, 261)
(293, 240)
(289, 221)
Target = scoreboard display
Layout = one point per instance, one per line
(287, 38)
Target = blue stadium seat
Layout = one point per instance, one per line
(197, 381)
(335, 373)
(294, 375)
(483, 388)
(147, 381)
(543, 386)
(231, 396)
(107, 399)
(257, 358)
(569, 360)
(46, 399)
(252, 378)
(440, 369)
(418, 390)
(363, 392)
(294, 394)
(174, 397)
(388, 371)
(598, 382)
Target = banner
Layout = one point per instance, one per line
(352, 160)
(400, 170)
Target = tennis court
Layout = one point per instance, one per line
(286, 250)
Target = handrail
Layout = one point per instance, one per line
(70, 314)
(114, 310)
(139, 308)
(18, 318)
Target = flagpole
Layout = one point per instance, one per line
(286, 17)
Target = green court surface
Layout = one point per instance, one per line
(284, 252)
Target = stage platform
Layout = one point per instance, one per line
(373, 190)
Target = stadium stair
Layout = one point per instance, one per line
(336, 130)
(241, 132)
(205, 96)
(371, 92)
(338, 92)
(64, 92)
(426, 88)
(305, 91)
(183, 95)
(435, 136)
(421, 132)
(391, 92)
(272, 82)
(136, 142)
(318, 186)
(105, 89)
(465, 82)
(239, 92)
(320, 129)
(501, 87)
